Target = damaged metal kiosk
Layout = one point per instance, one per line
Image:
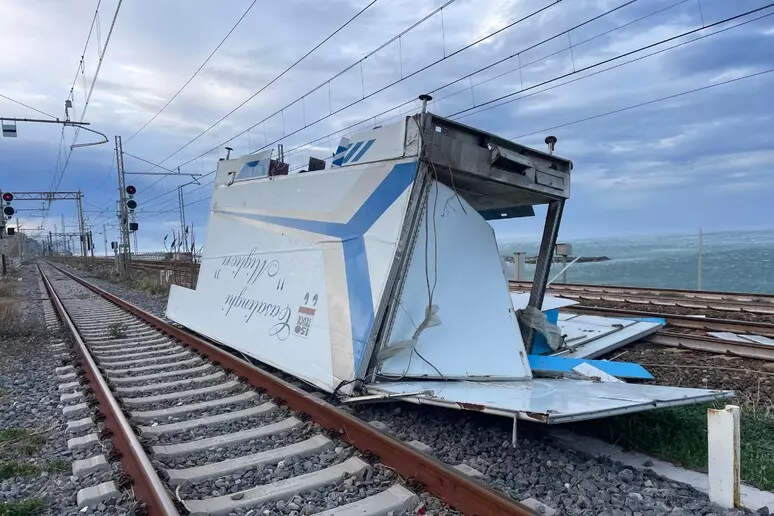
(375, 274)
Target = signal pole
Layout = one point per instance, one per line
(124, 251)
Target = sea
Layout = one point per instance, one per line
(734, 261)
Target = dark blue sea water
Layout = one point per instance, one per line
(740, 261)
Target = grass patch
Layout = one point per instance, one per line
(22, 508)
(141, 283)
(10, 318)
(16, 468)
(117, 331)
(58, 466)
(23, 439)
(679, 435)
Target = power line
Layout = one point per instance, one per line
(91, 90)
(590, 20)
(85, 47)
(222, 41)
(647, 103)
(520, 67)
(615, 58)
(639, 58)
(552, 80)
(275, 79)
(390, 85)
(26, 105)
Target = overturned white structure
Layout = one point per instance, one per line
(380, 272)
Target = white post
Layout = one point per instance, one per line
(723, 456)
(519, 261)
(699, 275)
(514, 432)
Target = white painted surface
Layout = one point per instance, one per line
(520, 300)
(746, 338)
(723, 456)
(752, 497)
(590, 336)
(478, 336)
(387, 142)
(549, 400)
(294, 267)
(591, 372)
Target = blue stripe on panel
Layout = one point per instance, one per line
(396, 182)
(363, 151)
(353, 244)
(361, 307)
(339, 156)
(352, 151)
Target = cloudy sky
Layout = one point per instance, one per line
(702, 159)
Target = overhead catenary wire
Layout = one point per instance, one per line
(551, 80)
(178, 92)
(469, 75)
(620, 56)
(522, 64)
(379, 90)
(6, 97)
(91, 90)
(619, 65)
(647, 103)
(275, 79)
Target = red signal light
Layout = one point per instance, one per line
(131, 190)
(8, 197)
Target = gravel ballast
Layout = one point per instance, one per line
(35, 461)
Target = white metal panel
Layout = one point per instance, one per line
(745, 337)
(478, 335)
(520, 300)
(548, 400)
(285, 274)
(377, 144)
(609, 341)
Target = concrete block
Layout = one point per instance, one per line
(79, 425)
(380, 426)
(71, 397)
(67, 387)
(76, 443)
(467, 470)
(74, 411)
(67, 377)
(83, 467)
(64, 370)
(420, 446)
(91, 496)
(539, 507)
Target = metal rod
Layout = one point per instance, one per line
(44, 121)
(543, 267)
(160, 174)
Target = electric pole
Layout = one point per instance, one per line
(125, 252)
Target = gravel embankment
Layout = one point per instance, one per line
(571, 482)
(35, 463)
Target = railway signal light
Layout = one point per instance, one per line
(8, 197)
(130, 191)
(8, 211)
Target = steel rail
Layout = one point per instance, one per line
(711, 345)
(709, 295)
(146, 483)
(459, 491)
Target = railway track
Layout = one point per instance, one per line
(203, 432)
(656, 293)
